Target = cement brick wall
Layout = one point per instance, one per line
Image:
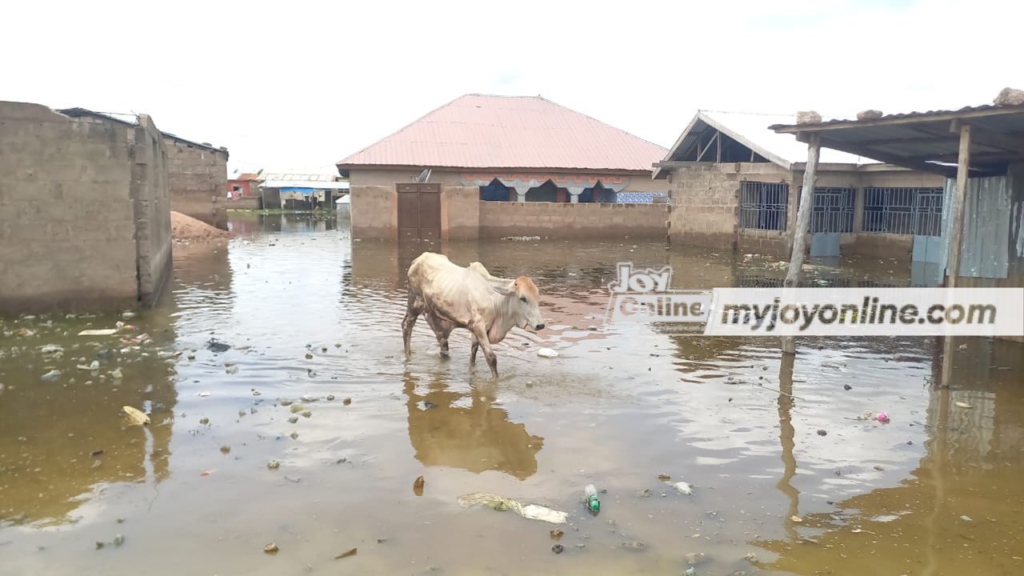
(244, 203)
(564, 220)
(374, 212)
(67, 213)
(151, 200)
(638, 181)
(460, 212)
(198, 179)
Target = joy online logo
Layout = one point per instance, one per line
(644, 296)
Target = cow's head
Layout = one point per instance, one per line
(523, 301)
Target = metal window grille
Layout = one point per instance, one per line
(833, 210)
(912, 211)
(764, 205)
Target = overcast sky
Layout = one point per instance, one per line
(308, 83)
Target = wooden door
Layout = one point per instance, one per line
(419, 211)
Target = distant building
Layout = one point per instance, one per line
(246, 185)
(302, 188)
(735, 184)
(502, 149)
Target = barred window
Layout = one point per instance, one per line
(912, 211)
(764, 205)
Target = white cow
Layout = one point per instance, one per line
(455, 297)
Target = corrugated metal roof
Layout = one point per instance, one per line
(924, 140)
(317, 184)
(480, 131)
(752, 130)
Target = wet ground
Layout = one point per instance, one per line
(311, 376)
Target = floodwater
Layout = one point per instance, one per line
(309, 313)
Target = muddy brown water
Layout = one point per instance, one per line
(938, 490)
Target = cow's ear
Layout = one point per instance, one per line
(504, 289)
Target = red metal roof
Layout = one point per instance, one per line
(479, 131)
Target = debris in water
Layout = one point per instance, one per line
(99, 545)
(270, 548)
(879, 468)
(694, 558)
(294, 435)
(847, 387)
(204, 394)
(135, 416)
(273, 465)
(116, 374)
(683, 488)
(102, 332)
(204, 421)
(664, 477)
(964, 405)
(751, 557)
(95, 453)
(306, 414)
(822, 432)
(217, 347)
(428, 405)
(346, 554)
(547, 353)
(118, 540)
(51, 376)
(691, 571)
(95, 365)
(225, 449)
(330, 397)
(231, 369)
(529, 511)
(287, 402)
(417, 486)
(634, 545)
(309, 356)
(557, 548)
(293, 479)
(966, 519)
(883, 418)
(293, 419)
(645, 493)
(796, 519)
(557, 534)
(346, 401)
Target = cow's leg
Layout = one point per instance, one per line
(473, 349)
(442, 329)
(481, 337)
(412, 312)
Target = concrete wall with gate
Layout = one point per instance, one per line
(84, 220)
(198, 180)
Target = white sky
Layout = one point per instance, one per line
(307, 83)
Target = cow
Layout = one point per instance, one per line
(452, 296)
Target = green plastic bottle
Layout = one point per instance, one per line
(590, 494)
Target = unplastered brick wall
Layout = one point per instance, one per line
(198, 180)
(374, 212)
(567, 220)
(69, 200)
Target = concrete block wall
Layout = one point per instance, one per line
(152, 205)
(68, 237)
(374, 212)
(568, 221)
(460, 212)
(198, 179)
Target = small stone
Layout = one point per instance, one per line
(869, 115)
(287, 402)
(557, 534)
(307, 414)
(294, 435)
(808, 117)
(330, 397)
(1009, 97)
(293, 419)
(847, 387)
(309, 356)
(557, 548)
(323, 349)
(270, 548)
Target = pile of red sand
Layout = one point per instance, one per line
(189, 229)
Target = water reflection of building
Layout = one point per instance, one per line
(467, 430)
(974, 457)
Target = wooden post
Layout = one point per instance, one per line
(956, 215)
(803, 222)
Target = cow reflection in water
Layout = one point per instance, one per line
(465, 430)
